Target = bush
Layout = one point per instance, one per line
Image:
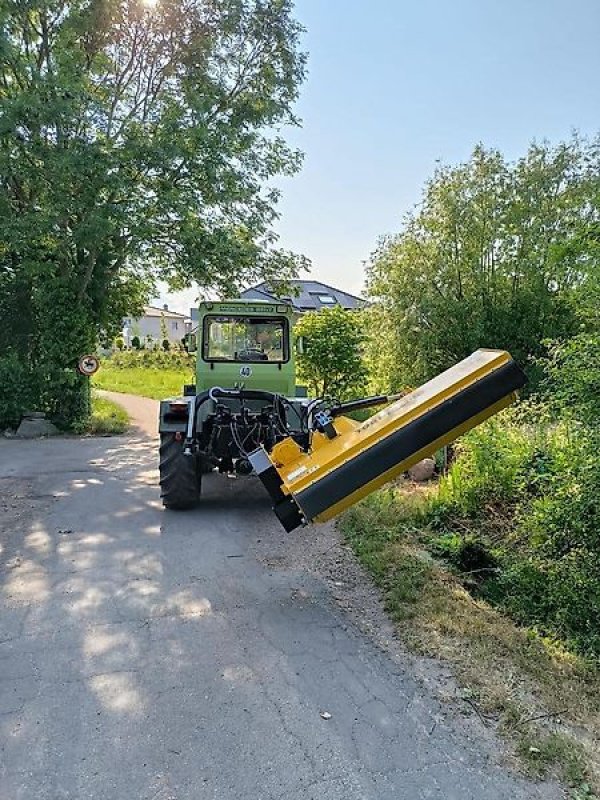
(523, 489)
(487, 467)
(15, 390)
(166, 346)
(62, 394)
(572, 382)
(135, 343)
(159, 359)
(525, 496)
(332, 363)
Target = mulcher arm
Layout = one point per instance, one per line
(348, 460)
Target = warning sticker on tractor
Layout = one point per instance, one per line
(245, 372)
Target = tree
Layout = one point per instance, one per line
(163, 328)
(332, 362)
(485, 261)
(136, 142)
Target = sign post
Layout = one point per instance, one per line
(87, 366)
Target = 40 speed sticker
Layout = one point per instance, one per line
(245, 372)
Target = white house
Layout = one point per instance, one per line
(155, 325)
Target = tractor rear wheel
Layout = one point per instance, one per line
(179, 475)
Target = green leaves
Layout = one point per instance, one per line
(332, 362)
(137, 143)
(495, 256)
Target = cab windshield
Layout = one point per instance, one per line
(245, 339)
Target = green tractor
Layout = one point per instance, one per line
(245, 396)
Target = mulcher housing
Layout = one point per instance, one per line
(343, 466)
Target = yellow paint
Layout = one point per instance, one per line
(329, 454)
(398, 469)
(285, 452)
(298, 470)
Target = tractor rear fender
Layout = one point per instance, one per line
(173, 415)
(174, 412)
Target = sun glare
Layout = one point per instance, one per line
(150, 3)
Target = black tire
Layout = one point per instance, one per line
(179, 475)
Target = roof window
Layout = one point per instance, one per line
(325, 299)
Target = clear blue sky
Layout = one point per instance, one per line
(393, 86)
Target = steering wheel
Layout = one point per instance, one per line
(252, 354)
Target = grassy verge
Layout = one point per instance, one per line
(154, 382)
(542, 696)
(107, 418)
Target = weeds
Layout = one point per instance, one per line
(434, 583)
(107, 418)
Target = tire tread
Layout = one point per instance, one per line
(179, 475)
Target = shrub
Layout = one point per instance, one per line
(135, 343)
(15, 390)
(62, 394)
(572, 382)
(172, 359)
(487, 467)
(166, 346)
(332, 363)
(523, 496)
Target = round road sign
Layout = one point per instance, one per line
(88, 365)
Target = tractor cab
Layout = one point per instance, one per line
(246, 345)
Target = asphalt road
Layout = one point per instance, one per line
(154, 655)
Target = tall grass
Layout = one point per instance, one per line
(146, 373)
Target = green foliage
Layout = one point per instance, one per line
(135, 343)
(133, 147)
(497, 255)
(332, 363)
(15, 388)
(166, 346)
(120, 343)
(106, 418)
(526, 495)
(486, 468)
(159, 359)
(149, 373)
(517, 513)
(573, 378)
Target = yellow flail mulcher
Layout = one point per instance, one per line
(341, 461)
